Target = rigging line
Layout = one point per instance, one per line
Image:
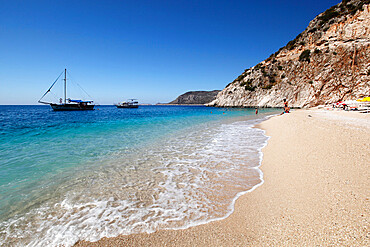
(55, 96)
(69, 74)
(51, 86)
(79, 86)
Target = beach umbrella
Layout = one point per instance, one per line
(366, 99)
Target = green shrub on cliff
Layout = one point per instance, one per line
(291, 44)
(258, 66)
(246, 83)
(352, 9)
(240, 78)
(328, 15)
(305, 56)
(272, 80)
(268, 86)
(345, 8)
(250, 88)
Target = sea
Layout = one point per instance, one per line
(70, 176)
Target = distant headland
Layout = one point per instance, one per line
(194, 98)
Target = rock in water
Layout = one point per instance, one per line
(328, 62)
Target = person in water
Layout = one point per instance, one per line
(256, 110)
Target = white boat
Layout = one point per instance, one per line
(131, 103)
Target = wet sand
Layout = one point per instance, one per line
(316, 190)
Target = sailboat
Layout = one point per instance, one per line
(68, 104)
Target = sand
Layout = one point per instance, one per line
(316, 190)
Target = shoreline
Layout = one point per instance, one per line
(277, 213)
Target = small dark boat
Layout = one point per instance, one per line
(131, 103)
(68, 104)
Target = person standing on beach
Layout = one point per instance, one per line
(285, 103)
(286, 108)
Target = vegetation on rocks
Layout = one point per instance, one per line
(248, 85)
(316, 51)
(305, 56)
(330, 51)
(250, 88)
(291, 44)
(330, 16)
(268, 86)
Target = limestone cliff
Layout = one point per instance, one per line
(328, 62)
(196, 97)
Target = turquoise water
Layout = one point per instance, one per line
(132, 168)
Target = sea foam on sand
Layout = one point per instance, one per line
(187, 179)
(316, 172)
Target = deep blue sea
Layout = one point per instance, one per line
(69, 176)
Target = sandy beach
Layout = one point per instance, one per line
(315, 190)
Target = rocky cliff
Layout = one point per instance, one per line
(196, 97)
(328, 62)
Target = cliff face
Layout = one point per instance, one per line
(196, 97)
(328, 62)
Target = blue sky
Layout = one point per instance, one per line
(149, 50)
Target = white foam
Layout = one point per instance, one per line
(189, 179)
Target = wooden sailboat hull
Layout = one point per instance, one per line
(72, 107)
(73, 104)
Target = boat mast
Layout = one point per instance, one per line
(65, 86)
